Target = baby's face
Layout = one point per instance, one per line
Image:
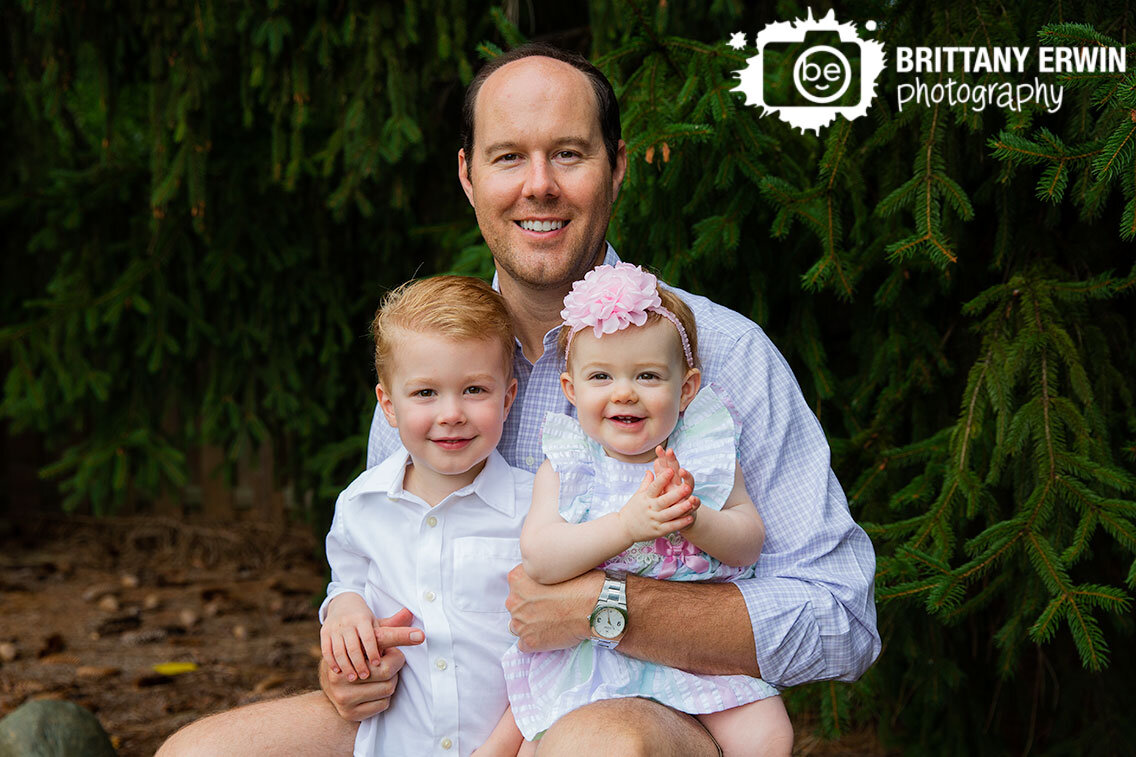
(449, 400)
(629, 387)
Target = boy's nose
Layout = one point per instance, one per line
(450, 413)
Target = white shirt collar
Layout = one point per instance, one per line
(493, 486)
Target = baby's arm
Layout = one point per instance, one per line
(735, 534)
(505, 740)
(555, 550)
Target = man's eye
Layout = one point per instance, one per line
(567, 154)
(508, 157)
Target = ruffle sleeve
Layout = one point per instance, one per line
(572, 456)
(704, 444)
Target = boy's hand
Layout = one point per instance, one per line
(657, 508)
(347, 637)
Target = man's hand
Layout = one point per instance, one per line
(360, 699)
(554, 616)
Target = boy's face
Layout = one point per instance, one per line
(449, 400)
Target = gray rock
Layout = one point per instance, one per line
(53, 728)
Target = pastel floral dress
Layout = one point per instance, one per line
(544, 686)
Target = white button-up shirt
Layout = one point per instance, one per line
(810, 602)
(448, 565)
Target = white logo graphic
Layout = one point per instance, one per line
(809, 71)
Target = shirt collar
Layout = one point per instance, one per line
(493, 486)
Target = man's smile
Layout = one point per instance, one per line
(542, 225)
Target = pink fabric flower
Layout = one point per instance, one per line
(673, 554)
(610, 298)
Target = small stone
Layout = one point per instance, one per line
(144, 636)
(44, 726)
(8, 652)
(188, 617)
(240, 633)
(128, 581)
(151, 602)
(98, 591)
(109, 603)
(212, 609)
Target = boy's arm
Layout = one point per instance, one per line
(505, 740)
(735, 533)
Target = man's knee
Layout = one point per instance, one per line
(634, 727)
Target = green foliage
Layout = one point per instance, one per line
(203, 205)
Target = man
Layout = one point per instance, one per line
(542, 164)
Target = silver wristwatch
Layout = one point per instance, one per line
(608, 620)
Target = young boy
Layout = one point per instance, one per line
(434, 528)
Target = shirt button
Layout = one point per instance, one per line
(440, 664)
(446, 743)
(431, 521)
(530, 461)
(429, 596)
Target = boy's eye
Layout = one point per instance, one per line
(476, 390)
(423, 393)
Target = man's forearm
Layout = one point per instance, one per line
(696, 627)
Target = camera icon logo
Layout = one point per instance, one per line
(809, 71)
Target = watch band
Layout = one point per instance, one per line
(613, 594)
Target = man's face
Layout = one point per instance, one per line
(539, 178)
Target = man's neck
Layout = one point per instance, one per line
(534, 312)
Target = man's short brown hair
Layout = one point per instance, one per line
(455, 307)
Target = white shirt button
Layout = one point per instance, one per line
(431, 521)
(446, 743)
(440, 664)
(429, 596)
(530, 461)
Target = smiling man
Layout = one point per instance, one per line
(542, 163)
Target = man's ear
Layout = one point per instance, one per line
(690, 386)
(463, 176)
(510, 395)
(567, 387)
(386, 404)
(620, 169)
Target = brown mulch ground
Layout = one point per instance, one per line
(89, 606)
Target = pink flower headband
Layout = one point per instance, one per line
(611, 298)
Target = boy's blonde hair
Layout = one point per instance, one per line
(671, 302)
(455, 307)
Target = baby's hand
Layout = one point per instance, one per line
(657, 508)
(664, 460)
(347, 637)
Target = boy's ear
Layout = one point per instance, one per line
(510, 395)
(567, 387)
(690, 386)
(386, 404)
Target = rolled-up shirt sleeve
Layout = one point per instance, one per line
(811, 601)
(348, 564)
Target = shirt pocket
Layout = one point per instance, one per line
(481, 569)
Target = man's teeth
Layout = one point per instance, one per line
(541, 225)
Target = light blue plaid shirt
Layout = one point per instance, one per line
(811, 602)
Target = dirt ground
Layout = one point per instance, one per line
(89, 607)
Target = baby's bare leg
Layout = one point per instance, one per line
(528, 749)
(306, 724)
(760, 729)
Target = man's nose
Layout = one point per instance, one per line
(540, 179)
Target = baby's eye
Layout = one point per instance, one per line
(648, 376)
(599, 376)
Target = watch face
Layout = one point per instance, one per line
(608, 622)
